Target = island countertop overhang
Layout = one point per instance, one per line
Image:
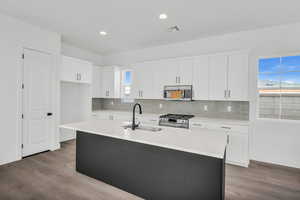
(199, 141)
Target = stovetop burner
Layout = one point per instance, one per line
(177, 116)
(175, 120)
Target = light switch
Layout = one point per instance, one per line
(160, 105)
(205, 107)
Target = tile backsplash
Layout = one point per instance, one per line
(211, 109)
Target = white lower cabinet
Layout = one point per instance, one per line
(237, 152)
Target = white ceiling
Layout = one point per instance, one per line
(134, 24)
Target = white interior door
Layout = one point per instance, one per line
(36, 102)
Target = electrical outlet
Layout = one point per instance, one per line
(228, 108)
(160, 105)
(205, 108)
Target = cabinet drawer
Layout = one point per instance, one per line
(229, 128)
(197, 125)
(104, 116)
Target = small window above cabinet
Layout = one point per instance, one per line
(76, 70)
(126, 83)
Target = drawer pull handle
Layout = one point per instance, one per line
(197, 124)
(225, 127)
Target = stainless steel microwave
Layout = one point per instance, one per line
(178, 92)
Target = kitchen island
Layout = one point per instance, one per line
(169, 164)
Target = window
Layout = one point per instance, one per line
(126, 85)
(279, 88)
(127, 82)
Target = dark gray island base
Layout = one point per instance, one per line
(148, 171)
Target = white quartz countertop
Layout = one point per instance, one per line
(204, 142)
(201, 119)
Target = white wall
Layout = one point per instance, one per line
(268, 144)
(76, 104)
(14, 36)
(72, 51)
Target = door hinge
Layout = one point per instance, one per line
(22, 116)
(23, 56)
(22, 146)
(22, 85)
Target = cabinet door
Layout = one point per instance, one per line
(68, 70)
(76, 70)
(238, 77)
(165, 73)
(108, 82)
(84, 69)
(237, 150)
(96, 82)
(185, 71)
(200, 78)
(217, 77)
(145, 80)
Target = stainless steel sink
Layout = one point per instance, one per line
(144, 128)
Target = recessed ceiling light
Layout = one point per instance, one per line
(163, 16)
(103, 33)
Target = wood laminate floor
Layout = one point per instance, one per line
(51, 176)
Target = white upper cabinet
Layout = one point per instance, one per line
(96, 82)
(214, 77)
(228, 77)
(164, 73)
(200, 78)
(76, 70)
(238, 77)
(185, 71)
(143, 81)
(110, 79)
(218, 77)
(171, 72)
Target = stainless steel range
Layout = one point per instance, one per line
(175, 120)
